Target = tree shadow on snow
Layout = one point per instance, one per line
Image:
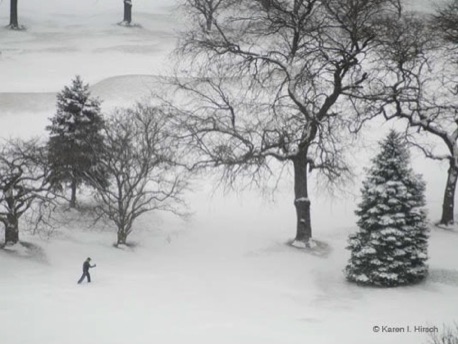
(316, 248)
(444, 276)
(319, 249)
(25, 250)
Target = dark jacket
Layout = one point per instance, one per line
(86, 266)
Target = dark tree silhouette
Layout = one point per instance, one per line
(390, 247)
(127, 12)
(14, 22)
(141, 160)
(75, 137)
(23, 182)
(424, 95)
(279, 80)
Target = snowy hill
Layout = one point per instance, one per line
(35, 109)
(114, 91)
(27, 102)
(207, 282)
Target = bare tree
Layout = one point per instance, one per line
(141, 160)
(424, 94)
(280, 80)
(23, 183)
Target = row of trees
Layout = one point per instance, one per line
(135, 161)
(14, 14)
(131, 160)
(284, 80)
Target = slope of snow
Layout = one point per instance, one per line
(65, 38)
(210, 281)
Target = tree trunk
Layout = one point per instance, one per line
(448, 205)
(73, 196)
(14, 23)
(122, 237)
(301, 200)
(11, 230)
(127, 11)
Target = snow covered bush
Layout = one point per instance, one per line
(75, 137)
(390, 248)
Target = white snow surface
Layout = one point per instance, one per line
(227, 274)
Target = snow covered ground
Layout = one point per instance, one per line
(224, 276)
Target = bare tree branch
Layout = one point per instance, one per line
(280, 80)
(23, 183)
(142, 161)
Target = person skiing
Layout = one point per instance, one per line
(86, 266)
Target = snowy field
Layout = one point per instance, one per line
(225, 275)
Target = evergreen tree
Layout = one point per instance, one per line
(75, 137)
(390, 248)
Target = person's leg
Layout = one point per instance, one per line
(82, 278)
(88, 277)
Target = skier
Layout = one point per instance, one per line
(86, 266)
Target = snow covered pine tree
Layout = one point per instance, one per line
(390, 248)
(75, 137)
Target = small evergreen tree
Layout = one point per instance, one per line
(390, 248)
(75, 137)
